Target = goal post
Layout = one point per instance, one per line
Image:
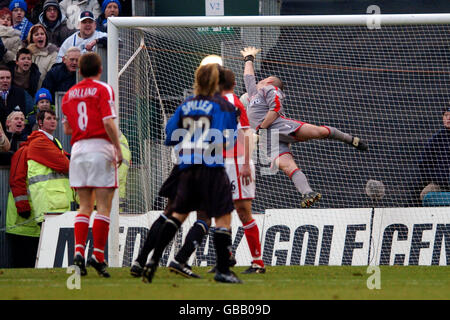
(382, 77)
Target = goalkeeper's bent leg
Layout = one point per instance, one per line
(300, 181)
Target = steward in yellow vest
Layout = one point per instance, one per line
(123, 171)
(39, 184)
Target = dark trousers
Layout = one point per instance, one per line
(23, 250)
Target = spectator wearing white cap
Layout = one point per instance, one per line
(87, 38)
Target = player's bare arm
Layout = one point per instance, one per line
(113, 134)
(246, 174)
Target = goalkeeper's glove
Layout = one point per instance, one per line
(249, 53)
(24, 214)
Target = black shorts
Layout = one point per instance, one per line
(199, 188)
(169, 187)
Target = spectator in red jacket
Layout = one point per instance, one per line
(39, 184)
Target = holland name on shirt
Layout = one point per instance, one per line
(82, 93)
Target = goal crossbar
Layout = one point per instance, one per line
(299, 20)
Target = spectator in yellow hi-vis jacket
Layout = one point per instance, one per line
(39, 184)
(123, 171)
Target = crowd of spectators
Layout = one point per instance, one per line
(41, 42)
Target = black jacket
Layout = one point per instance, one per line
(100, 25)
(16, 97)
(58, 78)
(35, 75)
(58, 32)
(16, 139)
(435, 161)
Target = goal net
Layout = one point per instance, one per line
(387, 85)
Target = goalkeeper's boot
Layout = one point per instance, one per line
(78, 260)
(254, 268)
(182, 269)
(136, 269)
(149, 271)
(229, 277)
(359, 144)
(310, 198)
(100, 267)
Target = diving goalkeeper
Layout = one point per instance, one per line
(265, 111)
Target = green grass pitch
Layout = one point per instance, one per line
(279, 283)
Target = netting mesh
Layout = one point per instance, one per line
(388, 86)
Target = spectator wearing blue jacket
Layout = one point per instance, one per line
(19, 21)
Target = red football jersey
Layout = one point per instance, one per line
(85, 106)
(243, 124)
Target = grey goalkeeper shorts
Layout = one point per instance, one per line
(276, 140)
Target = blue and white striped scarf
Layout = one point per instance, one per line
(22, 28)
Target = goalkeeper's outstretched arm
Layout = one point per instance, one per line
(249, 54)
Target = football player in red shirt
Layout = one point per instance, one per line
(241, 172)
(89, 113)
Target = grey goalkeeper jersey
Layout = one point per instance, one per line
(261, 101)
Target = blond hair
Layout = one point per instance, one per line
(13, 114)
(72, 49)
(206, 80)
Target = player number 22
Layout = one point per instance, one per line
(192, 126)
(82, 115)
